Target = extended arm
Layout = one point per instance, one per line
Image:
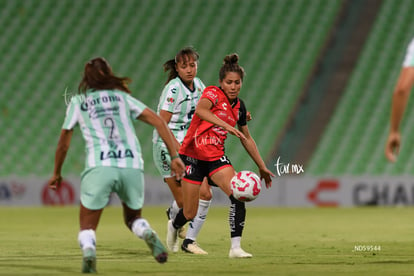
(203, 111)
(399, 102)
(251, 148)
(60, 155)
(166, 116)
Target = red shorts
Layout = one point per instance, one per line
(196, 170)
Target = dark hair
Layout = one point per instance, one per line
(231, 64)
(183, 55)
(98, 75)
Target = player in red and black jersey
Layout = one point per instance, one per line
(218, 111)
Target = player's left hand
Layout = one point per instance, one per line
(248, 116)
(54, 182)
(266, 174)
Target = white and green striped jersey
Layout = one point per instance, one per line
(409, 55)
(106, 119)
(178, 99)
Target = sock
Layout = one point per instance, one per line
(235, 242)
(237, 215)
(87, 239)
(139, 226)
(173, 210)
(196, 224)
(179, 220)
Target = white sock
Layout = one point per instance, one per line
(196, 224)
(235, 242)
(139, 226)
(174, 209)
(87, 239)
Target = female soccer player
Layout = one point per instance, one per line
(218, 111)
(176, 106)
(399, 103)
(104, 110)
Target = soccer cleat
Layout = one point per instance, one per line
(157, 248)
(89, 261)
(172, 241)
(239, 253)
(193, 248)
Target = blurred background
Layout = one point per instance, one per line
(320, 75)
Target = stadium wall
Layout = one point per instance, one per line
(287, 191)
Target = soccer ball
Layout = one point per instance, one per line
(246, 186)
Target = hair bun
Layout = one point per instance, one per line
(231, 59)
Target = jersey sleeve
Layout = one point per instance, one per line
(169, 97)
(242, 114)
(135, 106)
(211, 94)
(409, 56)
(72, 115)
(200, 86)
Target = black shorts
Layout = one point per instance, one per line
(196, 170)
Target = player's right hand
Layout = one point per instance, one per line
(235, 132)
(177, 168)
(54, 182)
(392, 147)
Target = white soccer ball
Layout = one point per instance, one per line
(246, 186)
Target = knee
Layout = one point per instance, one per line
(206, 194)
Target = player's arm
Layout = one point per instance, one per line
(399, 102)
(60, 155)
(204, 113)
(150, 117)
(250, 145)
(166, 116)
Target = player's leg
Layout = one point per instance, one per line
(162, 161)
(190, 185)
(175, 189)
(88, 220)
(97, 182)
(189, 244)
(142, 229)
(130, 190)
(191, 192)
(237, 213)
(177, 204)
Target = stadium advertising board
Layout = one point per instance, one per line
(287, 191)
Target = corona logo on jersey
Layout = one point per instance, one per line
(91, 101)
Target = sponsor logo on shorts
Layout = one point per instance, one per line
(189, 170)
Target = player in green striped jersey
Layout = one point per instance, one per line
(176, 106)
(105, 110)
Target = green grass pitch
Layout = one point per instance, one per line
(283, 241)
